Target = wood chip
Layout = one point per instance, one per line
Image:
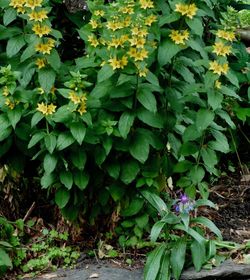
(94, 275)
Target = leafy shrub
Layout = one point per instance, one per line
(145, 109)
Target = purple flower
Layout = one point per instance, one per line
(184, 199)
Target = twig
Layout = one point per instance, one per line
(29, 211)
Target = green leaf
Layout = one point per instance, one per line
(221, 143)
(81, 179)
(204, 118)
(205, 202)
(66, 179)
(14, 45)
(147, 99)
(78, 130)
(28, 52)
(225, 116)
(46, 78)
(47, 180)
(153, 263)
(139, 148)
(215, 99)
(54, 59)
(191, 133)
(196, 174)
(177, 258)
(156, 202)
(78, 159)
(4, 133)
(164, 272)
(50, 142)
(167, 50)
(149, 118)
(156, 230)
(199, 238)
(209, 224)
(182, 166)
(125, 123)
(209, 157)
(188, 148)
(62, 115)
(198, 251)
(49, 163)
(133, 208)
(129, 171)
(5, 259)
(116, 191)
(62, 197)
(35, 139)
(64, 140)
(36, 118)
(142, 221)
(169, 18)
(14, 116)
(196, 25)
(9, 15)
(232, 77)
(4, 121)
(104, 73)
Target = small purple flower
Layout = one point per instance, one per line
(184, 199)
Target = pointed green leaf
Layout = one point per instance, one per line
(66, 179)
(177, 258)
(147, 99)
(62, 197)
(125, 123)
(78, 130)
(49, 163)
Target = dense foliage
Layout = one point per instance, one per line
(120, 105)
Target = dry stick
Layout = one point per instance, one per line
(29, 211)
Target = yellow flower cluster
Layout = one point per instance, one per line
(179, 37)
(218, 68)
(226, 35)
(122, 33)
(46, 109)
(80, 100)
(188, 10)
(221, 48)
(37, 14)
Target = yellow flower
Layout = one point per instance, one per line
(51, 108)
(227, 35)
(150, 19)
(51, 42)
(38, 16)
(21, 10)
(141, 55)
(17, 3)
(220, 48)
(44, 48)
(74, 97)
(188, 10)
(9, 103)
(99, 13)
(46, 109)
(218, 68)
(40, 62)
(179, 37)
(126, 22)
(217, 84)
(143, 72)
(113, 25)
(123, 61)
(94, 24)
(145, 4)
(138, 42)
(41, 30)
(115, 63)
(115, 42)
(33, 3)
(82, 108)
(6, 91)
(132, 52)
(93, 41)
(127, 10)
